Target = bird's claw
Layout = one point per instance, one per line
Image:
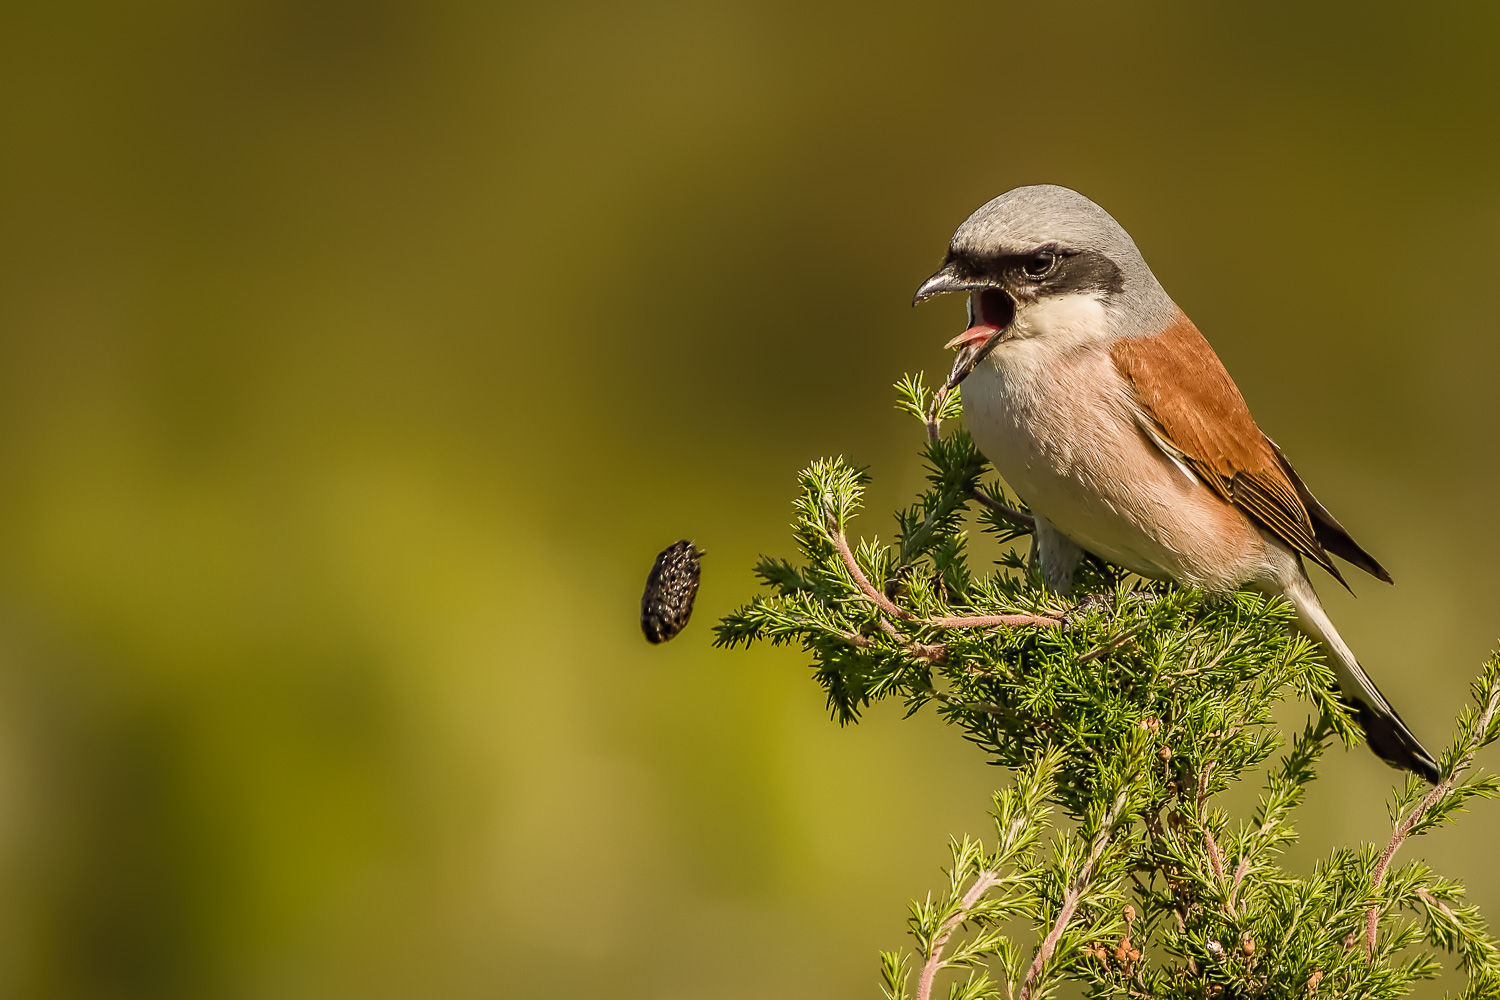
(1086, 605)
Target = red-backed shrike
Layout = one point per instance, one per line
(1101, 404)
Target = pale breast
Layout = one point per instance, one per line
(1060, 428)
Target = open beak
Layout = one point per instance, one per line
(974, 344)
(991, 314)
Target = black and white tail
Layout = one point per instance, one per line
(1386, 733)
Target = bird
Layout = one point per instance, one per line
(1099, 402)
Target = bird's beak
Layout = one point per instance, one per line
(947, 279)
(992, 316)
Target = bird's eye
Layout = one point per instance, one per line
(1039, 265)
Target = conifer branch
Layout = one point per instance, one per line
(1074, 893)
(1482, 731)
(1215, 856)
(1132, 721)
(934, 962)
(941, 621)
(1023, 521)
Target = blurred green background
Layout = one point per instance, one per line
(357, 358)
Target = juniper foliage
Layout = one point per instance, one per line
(1123, 719)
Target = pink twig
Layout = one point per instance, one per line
(1240, 872)
(1111, 645)
(1203, 784)
(1436, 904)
(989, 621)
(1215, 856)
(1410, 820)
(881, 601)
(1012, 515)
(921, 650)
(932, 411)
(1071, 897)
(895, 611)
(982, 884)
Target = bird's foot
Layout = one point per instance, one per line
(1086, 605)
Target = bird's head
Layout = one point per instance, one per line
(1044, 261)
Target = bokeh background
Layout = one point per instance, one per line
(357, 358)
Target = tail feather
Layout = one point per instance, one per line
(1387, 734)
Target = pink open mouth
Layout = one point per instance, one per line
(993, 311)
(976, 334)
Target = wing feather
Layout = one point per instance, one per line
(1330, 533)
(1196, 414)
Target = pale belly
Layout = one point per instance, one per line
(1063, 435)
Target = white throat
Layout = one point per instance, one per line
(1043, 334)
(1064, 320)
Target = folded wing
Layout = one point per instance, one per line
(1192, 409)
